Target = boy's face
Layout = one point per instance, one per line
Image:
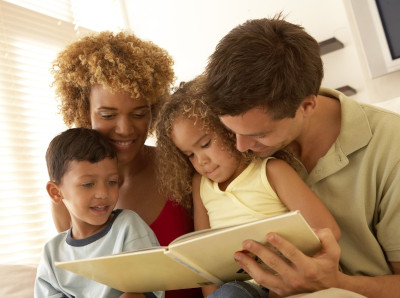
(90, 192)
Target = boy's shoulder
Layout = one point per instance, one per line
(125, 214)
(129, 219)
(55, 242)
(130, 224)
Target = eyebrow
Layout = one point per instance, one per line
(113, 109)
(195, 143)
(200, 139)
(95, 175)
(249, 135)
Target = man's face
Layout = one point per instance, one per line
(257, 131)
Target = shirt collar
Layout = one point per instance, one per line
(355, 133)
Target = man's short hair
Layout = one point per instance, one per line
(264, 63)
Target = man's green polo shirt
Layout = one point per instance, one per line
(359, 181)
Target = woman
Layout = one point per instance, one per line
(113, 83)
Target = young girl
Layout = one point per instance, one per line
(197, 156)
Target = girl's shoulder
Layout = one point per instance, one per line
(275, 165)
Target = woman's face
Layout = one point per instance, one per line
(123, 120)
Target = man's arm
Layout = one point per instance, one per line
(374, 287)
(310, 274)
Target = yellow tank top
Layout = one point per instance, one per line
(247, 198)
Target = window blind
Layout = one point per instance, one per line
(31, 35)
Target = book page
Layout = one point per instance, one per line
(144, 271)
(214, 251)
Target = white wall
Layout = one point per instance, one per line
(190, 29)
(378, 89)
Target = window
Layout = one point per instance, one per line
(31, 35)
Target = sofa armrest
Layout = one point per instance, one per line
(17, 280)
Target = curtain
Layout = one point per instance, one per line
(31, 35)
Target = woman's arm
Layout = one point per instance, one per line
(201, 220)
(61, 217)
(296, 195)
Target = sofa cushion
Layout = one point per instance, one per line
(17, 280)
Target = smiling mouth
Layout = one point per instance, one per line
(121, 144)
(211, 172)
(99, 208)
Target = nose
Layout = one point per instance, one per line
(124, 126)
(243, 143)
(101, 191)
(202, 159)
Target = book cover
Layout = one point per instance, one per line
(192, 260)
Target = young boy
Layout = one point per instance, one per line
(83, 173)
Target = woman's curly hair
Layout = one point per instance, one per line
(174, 168)
(120, 62)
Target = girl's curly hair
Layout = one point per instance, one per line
(120, 62)
(174, 168)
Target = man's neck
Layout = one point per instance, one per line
(319, 133)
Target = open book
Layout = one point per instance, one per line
(194, 259)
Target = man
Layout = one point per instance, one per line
(264, 81)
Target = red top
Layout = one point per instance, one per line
(172, 222)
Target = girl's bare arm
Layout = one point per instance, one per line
(201, 220)
(296, 195)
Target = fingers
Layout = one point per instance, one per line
(301, 273)
(288, 250)
(261, 275)
(329, 244)
(248, 262)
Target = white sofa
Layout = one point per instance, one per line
(16, 281)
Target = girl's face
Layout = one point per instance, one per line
(125, 121)
(90, 192)
(205, 151)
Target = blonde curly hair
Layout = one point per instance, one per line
(120, 62)
(174, 168)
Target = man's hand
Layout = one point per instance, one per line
(303, 274)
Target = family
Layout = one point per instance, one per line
(253, 136)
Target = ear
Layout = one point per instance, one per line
(54, 192)
(308, 105)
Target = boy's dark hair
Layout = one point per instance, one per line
(264, 63)
(80, 144)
